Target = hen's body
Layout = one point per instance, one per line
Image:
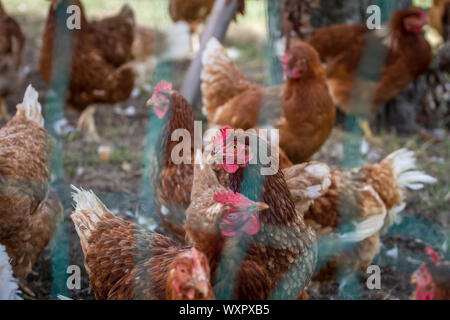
(194, 12)
(279, 260)
(355, 195)
(341, 47)
(11, 46)
(28, 211)
(173, 182)
(282, 256)
(436, 15)
(99, 50)
(301, 109)
(123, 261)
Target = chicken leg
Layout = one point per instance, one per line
(368, 135)
(3, 110)
(86, 122)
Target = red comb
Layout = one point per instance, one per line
(433, 254)
(229, 197)
(163, 86)
(160, 102)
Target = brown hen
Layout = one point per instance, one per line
(341, 47)
(301, 108)
(376, 190)
(279, 260)
(437, 13)
(28, 210)
(99, 54)
(124, 262)
(432, 279)
(12, 42)
(172, 180)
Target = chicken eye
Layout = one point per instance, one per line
(231, 215)
(235, 147)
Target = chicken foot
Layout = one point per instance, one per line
(368, 135)
(86, 122)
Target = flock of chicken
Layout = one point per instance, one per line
(239, 234)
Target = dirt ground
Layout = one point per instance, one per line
(119, 183)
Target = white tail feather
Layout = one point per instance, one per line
(89, 211)
(30, 107)
(370, 225)
(8, 285)
(403, 162)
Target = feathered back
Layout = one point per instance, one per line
(204, 177)
(89, 211)
(221, 79)
(8, 285)
(30, 108)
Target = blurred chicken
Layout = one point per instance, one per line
(301, 108)
(11, 46)
(9, 289)
(195, 13)
(29, 212)
(296, 18)
(437, 13)
(99, 54)
(432, 280)
(152, 46)
(355, 194)
(124, 262)
(341, 47)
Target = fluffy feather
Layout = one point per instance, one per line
(402, 164)
(30, 108)
(371, 224)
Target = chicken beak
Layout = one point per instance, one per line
(414, 280)
(212, 158)
(200, 286)
(258, 207)
(166, 94)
